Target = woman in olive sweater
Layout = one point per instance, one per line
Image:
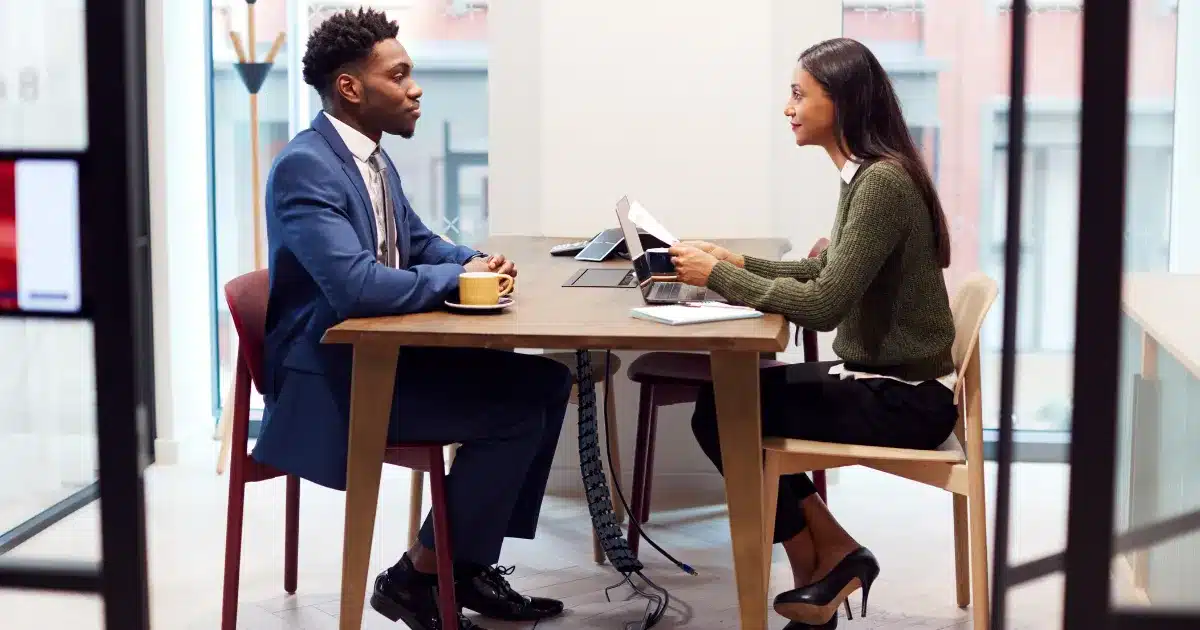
(879, 284)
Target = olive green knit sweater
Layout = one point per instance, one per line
(878, 283)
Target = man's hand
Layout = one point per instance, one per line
(716, 251)
(499, 264)
(692, 265)
(477, 265)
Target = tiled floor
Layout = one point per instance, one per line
(907, 525)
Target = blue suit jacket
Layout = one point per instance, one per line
(322, 242)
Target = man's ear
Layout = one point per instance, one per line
(349, 87)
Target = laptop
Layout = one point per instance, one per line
(656, 290)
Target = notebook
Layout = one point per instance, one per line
(694, 313)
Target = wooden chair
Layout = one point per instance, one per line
(247, 299)
(610, 432)
(948, 468)
(672, 378)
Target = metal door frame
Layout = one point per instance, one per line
(1091, 543)
(116, 290)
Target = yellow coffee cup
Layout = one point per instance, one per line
(483, 288)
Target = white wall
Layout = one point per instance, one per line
(1185, 196)
(177, 111)
(675, 102)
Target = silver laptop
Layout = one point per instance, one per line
(655, 290)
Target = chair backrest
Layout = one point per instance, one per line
(247, 299)
(970, 307)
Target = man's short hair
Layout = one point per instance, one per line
(344, 38)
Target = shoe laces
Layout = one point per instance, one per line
(497, 577)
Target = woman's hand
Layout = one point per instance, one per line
(716, 251)
(692, 265)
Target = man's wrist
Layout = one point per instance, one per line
(473, 257)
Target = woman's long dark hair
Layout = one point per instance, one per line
(867, 121)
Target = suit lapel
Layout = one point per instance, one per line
(350, 167)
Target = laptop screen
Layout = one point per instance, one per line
(633, 241)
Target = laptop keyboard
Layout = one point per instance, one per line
(678, 291)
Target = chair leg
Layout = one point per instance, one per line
(772, 465)
(977, 503)
(442, 543)
(416, 497)
(597, 549)
(612, 436)
(291, 535)
(962, 549)
(641, 451)
(233, 548)
(649, 481)
(225, 431)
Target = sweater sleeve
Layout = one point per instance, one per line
(805, 269)
(878, 216)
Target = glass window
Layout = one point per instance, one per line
(240, 132)
(443, 168)
(1158, 473)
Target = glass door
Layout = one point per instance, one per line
(1132, 555)
(73, 188)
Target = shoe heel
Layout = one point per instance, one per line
(849, 615)
(866, 589)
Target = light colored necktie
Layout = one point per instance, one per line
(389, 254)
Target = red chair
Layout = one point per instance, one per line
(247, 299)
(672, 378)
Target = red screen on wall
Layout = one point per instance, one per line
(8, 236)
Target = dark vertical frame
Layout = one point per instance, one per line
(116, 295)
(1102, 149)
(1012, 266)
(115, 192)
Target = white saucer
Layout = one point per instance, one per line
(505, 302)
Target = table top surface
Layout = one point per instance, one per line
(1167, 307)
(547, 315)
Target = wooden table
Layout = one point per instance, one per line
(547, 315)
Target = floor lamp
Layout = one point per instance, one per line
(253, 74)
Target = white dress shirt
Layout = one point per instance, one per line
(362, 147)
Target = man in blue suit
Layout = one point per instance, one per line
(344, 243)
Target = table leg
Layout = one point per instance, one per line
(374, 380)
(739, 424)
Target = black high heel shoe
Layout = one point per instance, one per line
(818, 602)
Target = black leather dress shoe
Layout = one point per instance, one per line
(486, 591)
(402, 594)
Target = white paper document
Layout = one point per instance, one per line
(697, 313)
(641, 218)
